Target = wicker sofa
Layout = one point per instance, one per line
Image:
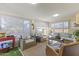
(65, 50)
(24, 44)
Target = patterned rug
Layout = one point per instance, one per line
(13, 52)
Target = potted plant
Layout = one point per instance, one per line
(76, 34)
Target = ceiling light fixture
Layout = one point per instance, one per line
(33, 3)
(55, 15)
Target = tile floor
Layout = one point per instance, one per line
(37, 50)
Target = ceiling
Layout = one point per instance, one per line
(40, 11)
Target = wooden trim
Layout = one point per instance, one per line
(51, 52)
(71, 44)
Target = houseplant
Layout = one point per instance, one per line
(76, 34)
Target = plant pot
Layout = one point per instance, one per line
(77, 39)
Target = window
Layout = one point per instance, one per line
(60, 27)
(66, 25)
(13, 25)
(26, 28)
(41, 28)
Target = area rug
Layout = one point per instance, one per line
(13, 52)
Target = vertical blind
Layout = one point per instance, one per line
(60, 27)
(13, 25)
